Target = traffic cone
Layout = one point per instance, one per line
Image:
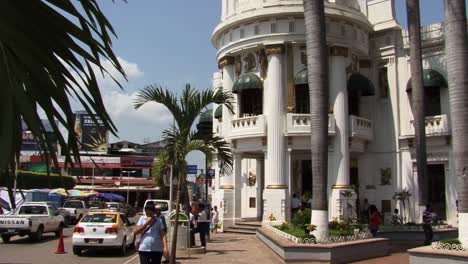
(60, 246)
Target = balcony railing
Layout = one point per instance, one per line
(299, 124)
(361, 128)
(252, 126)
(435, 125)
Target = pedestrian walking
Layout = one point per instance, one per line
(295, 203)
(193, 225)
(153, 243)
(214, 220)
(203, 224)
(163, 221)
(374, 221)
(427, 227)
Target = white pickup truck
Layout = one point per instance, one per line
(77, 209)
(32, 219)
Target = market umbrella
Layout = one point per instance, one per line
(112, 197)
(75, 193)
(5, 204)
(59, 191)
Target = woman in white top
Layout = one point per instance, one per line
(214, 220)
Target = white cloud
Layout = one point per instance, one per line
(133, 125)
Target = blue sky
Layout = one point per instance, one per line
(168, 42)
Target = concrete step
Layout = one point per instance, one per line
(239, 231)
(244, 227)
(252, 223)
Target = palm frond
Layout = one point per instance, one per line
(45, 57)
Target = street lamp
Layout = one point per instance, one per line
(128, 182)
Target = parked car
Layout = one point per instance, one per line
(67, 217)
(32, 219)
(164, 204)
(77, 209)
(124, 208)
(103, 229)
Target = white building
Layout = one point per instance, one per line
(261, 54)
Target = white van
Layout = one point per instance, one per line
(164, 204)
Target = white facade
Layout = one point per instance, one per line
(370, 122)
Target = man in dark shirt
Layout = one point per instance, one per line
(426, 219)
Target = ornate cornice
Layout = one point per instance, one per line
(226, 60)
(274, 49)
(339, 51)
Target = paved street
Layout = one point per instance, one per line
(223, 248)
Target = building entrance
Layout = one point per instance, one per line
(436, 177)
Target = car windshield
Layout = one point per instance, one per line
(73, 204)
(33, 210)
(164, 206)
(100, 218)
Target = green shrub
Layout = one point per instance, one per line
(451, 241)
(301, 218)
(37, 180)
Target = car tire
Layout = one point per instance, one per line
(59, 230)
(77, 251)
(6, 238)
(123, 248)
(37, 236)
(132, 245)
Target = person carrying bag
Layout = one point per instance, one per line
(153, 243)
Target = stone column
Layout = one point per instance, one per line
(259, 174)
(237, 169)
(275, 181)
(339, 180)
(224, 197)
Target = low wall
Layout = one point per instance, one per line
(344, 252)
(407, 235)
(428, 255)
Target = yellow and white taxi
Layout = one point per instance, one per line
(103, 229)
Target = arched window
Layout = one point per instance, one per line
(358, 85)
(249, 88)
(301, 93)
(433, 81)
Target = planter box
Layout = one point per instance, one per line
(428, 255)
(418, 235)
(328, 253)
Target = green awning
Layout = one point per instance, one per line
(301, 78)
(205, 123)
(431, 78)
(247, 81)
(218, 112)
(358, 84)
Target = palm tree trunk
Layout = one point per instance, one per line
(414, 28)
(314, 15)
(457, 68)
(176, 222)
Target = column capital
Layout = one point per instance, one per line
(226, 60)
(274, 49)
(339, 51)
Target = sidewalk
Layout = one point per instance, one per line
(240, 249)
(233, 248)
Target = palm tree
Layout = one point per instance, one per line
(180, 140)
(456, 41)
(417, 94)
(314, 14)
(49, 53)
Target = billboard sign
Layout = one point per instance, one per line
(29, 143)
(92, 133)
